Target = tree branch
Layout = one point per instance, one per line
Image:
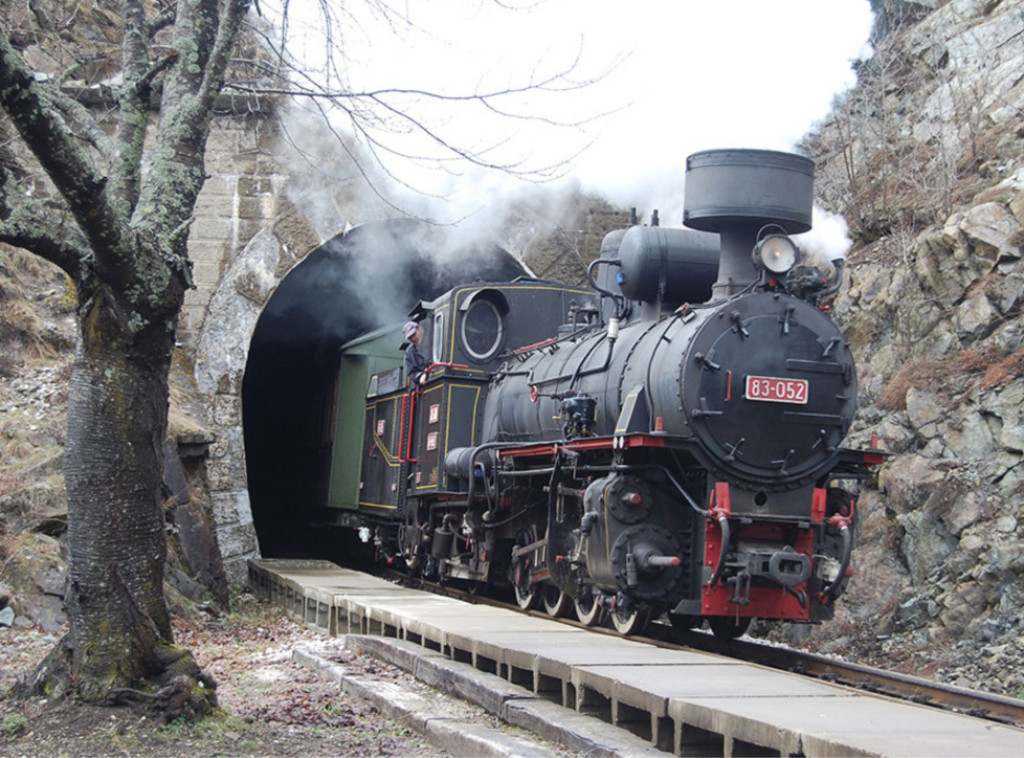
(65, 162)
(227, 35)
(81, 121)
(371, 113)
(134, 99)
(33, 225)
(205, 34)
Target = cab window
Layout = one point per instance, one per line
(482, 329)
(437, 343)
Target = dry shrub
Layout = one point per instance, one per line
(893, 396)
(21, 322)
(18, 320)
(988, 367)
(1010, 367)
(976, 361)
(917, 373)
(994, 367)
(18, 450)
(986, 284)
(24, 276)
(26, 266)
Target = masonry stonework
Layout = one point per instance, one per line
(245, 240)
(239, 198)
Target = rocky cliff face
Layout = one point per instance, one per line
(924, 159)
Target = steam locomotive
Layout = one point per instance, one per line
(666, 440)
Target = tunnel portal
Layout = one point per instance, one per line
(368, 277)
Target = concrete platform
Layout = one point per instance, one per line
(685, 702)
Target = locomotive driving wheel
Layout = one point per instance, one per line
(556, 602)
(588, 610)
(526, 598)
(632, 621)
(520, 573)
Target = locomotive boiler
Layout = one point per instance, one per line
(665, 441)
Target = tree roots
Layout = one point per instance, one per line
(176, 687)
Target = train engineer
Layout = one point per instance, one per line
(415, 363)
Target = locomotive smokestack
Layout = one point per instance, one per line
(737, 193)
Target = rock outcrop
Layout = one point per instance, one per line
(932, 308)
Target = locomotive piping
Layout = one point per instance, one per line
(704, 513)
(619, 300)
(668, 474)
(723, 523)
(483, 477)
(521, 353)
(832, 591)
(838, 263)
(597, 369)
(578, 372)
(800, 595)
(510, 519)
(470, 492)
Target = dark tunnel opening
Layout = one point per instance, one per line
(371, 276)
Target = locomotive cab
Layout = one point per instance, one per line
(409, 433)
(471, 330)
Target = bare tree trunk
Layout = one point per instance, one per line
(120, 642)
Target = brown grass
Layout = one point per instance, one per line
(893, 396)
(987, 368)
(1003, 371)
(29, 288)
(19, 320)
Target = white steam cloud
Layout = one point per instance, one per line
(829, 236)
(672, 79)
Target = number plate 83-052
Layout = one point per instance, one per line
(774, 390)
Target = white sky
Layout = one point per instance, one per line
(679, 76)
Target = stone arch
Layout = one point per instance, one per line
(437, 260)
(222, 349)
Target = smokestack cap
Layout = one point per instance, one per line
(748, 188)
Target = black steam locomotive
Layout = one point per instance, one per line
(667, 441)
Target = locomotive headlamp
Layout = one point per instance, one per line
(776, 253)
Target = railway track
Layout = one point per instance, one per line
(661, 693)
(985, 705)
